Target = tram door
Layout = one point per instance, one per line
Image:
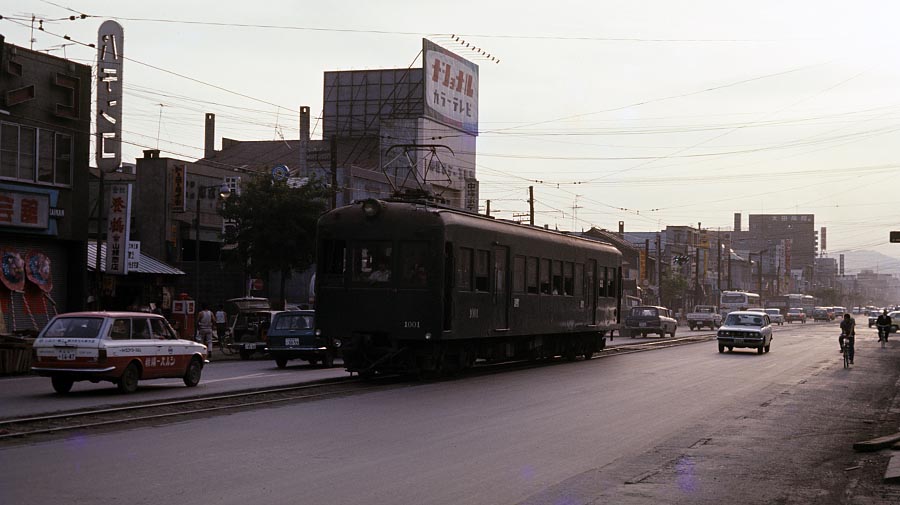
(590, 291)
(501, 290)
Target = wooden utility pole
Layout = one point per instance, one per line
(659, 270)
(488, 212)
(531, 205)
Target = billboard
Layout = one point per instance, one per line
(451, 88)
(110, 45)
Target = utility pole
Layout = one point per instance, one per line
(697, 292)
(334, 185)
(658, 270)
(531, 205)
(719, 261)
(488, 204)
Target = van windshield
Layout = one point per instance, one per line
(74, 327)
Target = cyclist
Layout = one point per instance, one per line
(884, 326)
(848, 333)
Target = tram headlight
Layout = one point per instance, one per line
(371, 207)
(428, 335)
(337, 343)
(318, 332)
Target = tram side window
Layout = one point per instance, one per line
(518, 274)
(613, 285)
(568, 279)
(482, 267)
(465, 269)
(412, 263)
(557, 278)
(602, 274)
(372, 262)
(545, 276)
(335, 262)
(531, 275)
(611, 282)
(578, 287)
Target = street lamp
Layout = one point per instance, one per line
(224, 192)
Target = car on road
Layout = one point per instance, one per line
(293, 335)
(119, 347)
(251, 331)
(745, 329)
(646, 319)
(821, 314)
(795, 314)
(895, 321)
(775, 316)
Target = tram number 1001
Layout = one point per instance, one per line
(410, 324)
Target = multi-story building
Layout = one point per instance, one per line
(44, 151)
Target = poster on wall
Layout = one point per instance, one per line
(13, 269)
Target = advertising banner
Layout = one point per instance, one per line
(178, 192)
(451, 88)
(118, 228)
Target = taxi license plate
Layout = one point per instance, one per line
(249, 346)
(65, 354)
(292, 341)
(643, 325)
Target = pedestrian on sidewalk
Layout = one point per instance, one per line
(221, 322)
(205, 322)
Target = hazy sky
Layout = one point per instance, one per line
(650, 112)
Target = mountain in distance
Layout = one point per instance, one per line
(870, 260)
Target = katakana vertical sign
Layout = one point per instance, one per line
(110, 44)
(118, 228)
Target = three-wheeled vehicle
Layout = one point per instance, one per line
(248, 324)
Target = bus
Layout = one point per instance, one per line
(737, 300)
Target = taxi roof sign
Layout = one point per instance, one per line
(895, 237)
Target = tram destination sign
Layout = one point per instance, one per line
(895, 237)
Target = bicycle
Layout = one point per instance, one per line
(847, 349)
(883, 334)
(225, 343)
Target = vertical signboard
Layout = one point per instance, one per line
(133, 258)
(118, 228)
(822, 246)
(841, 268)
(110, 44)
(451, 88)
(178, 180)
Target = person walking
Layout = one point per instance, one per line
(221, 323)
(205, 322)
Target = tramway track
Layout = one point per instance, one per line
(156, 411)
(135, 414)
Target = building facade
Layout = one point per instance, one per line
(44, 175)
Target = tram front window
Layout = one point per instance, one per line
(372, 263)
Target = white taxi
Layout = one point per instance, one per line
(745, 328)
(120, 347)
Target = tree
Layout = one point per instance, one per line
(275, 226)
(674, 288)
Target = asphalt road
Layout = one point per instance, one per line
(677, 425)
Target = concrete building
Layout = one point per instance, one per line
(44, 150)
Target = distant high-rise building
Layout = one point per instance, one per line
(799, 228)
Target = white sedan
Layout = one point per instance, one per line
(745, 329)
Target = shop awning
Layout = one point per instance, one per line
(147, 264)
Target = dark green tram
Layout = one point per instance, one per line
(412, 287)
